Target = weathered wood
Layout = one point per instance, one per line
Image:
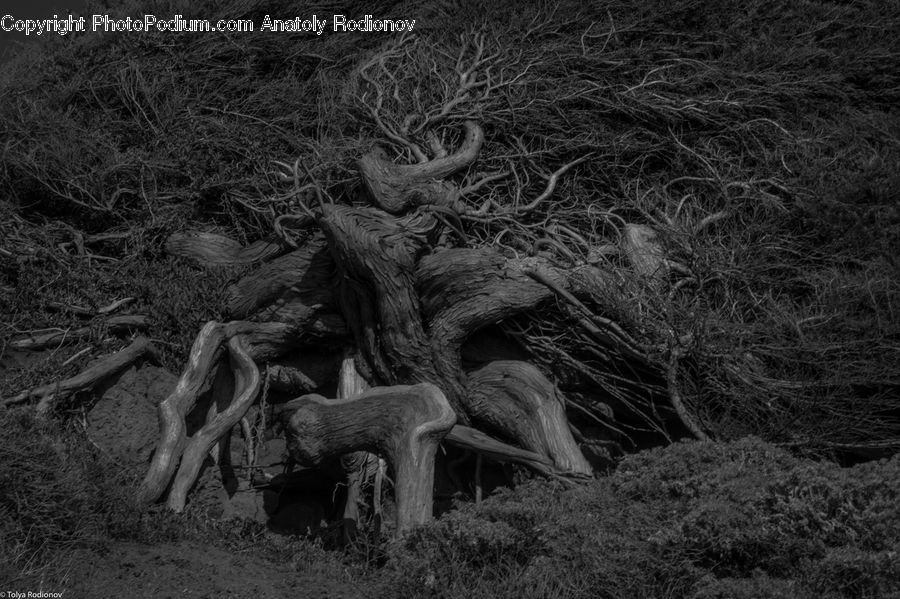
(302, 275)
(86, 379)
(376, 257)
(397, 187)
(640, 246)
(515, 400)
(355, 465)
(211, 249)
(463, 290)
(246, 387)
(404, 424)
(113, 324)
(259, 341)
(474, 440)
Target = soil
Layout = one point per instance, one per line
(128, 570)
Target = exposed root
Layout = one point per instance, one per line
(256, 341)
(113, 324)
(473, 440)
(50, 395)
(356, 465)
(516, 400)
(675, 395)
(217, 250)
(246, 388)
(404, 424)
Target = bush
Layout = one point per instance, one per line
(744, 519)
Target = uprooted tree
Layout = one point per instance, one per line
(395, 279)
(453, 260)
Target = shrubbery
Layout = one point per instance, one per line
(701, 520)
(59, 493)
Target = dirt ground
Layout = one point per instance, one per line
(128, 570)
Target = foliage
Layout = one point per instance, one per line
(744, 519)
(701, 520)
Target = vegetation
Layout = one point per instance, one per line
(758, 141)
(742, 519)
(692, 520)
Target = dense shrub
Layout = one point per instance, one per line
(744, 519)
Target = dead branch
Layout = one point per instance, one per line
(675, 396)
(49, 395)
(113, 324)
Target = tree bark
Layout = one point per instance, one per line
(303, 275)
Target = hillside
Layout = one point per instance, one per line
(674, 220)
